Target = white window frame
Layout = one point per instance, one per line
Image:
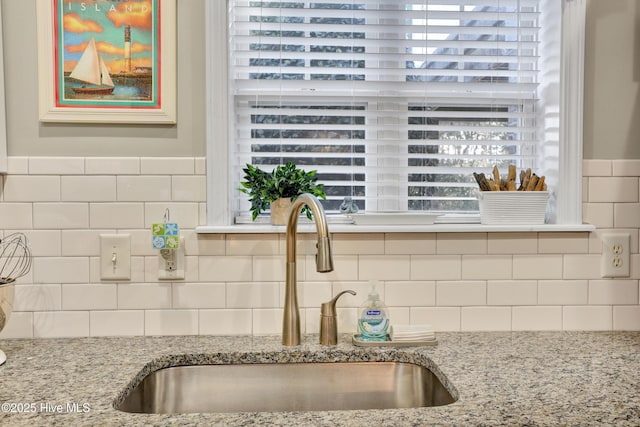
(569, 187)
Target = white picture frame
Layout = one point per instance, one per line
(55, 103)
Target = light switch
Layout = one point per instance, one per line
(115, 256)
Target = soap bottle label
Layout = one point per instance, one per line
(373, 328)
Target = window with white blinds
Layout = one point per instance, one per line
(394, 103)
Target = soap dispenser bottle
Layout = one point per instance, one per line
(373, 318)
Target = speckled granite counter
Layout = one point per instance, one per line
(530, 378)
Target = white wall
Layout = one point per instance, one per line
(28, 137)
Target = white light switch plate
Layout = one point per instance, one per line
(115, 257)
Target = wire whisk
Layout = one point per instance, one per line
(15, 257)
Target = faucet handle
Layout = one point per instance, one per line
(328, 321)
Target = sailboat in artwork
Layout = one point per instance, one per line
(92, 70)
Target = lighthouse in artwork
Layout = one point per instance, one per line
(127, 49)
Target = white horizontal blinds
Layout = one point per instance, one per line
(395, 103)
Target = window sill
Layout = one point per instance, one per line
(430, 228)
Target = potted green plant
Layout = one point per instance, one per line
(276, 189)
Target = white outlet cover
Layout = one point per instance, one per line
(115, 256)
(615, 254)
(178, 272)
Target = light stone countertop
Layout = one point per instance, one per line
(519, 378)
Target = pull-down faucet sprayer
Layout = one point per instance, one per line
(324, 263)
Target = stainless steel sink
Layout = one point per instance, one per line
(274, 387)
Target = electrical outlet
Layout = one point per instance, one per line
(115, 256)
(171, 263)
(615, 254)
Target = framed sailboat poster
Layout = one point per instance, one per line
(107, 61)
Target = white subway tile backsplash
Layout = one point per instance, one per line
(225, 268)
(536, 318)
(112, 165)
(16, 216)
(347, 321)
(512, 243)
(253, 295)
(358, 243)
(56, 166)
(60, 215)
(562, 243)
(410, 244)
(399, 315)
(19, 325)
(537, 267)
(142, 296)
(563, 292)
(626, 167)
(89, 296)
(37, 298)
(313, 294)
(117, 215)
(445, 319)
(485, 267)
(613, 292)
(461, 293)
(581, 266)
(587, 318)
(61, 270)
(461, 243)
(381, 267)
(225, 322)
(88, 188)
(509, 292)
(234, 283)
(269, 321)
(191, 268)
(137, 269)
(167, 165)
(141, 241)
(626, 215)
(595, 167)
(271, 269)
(486, 319)
(613, 190)
(598, 214)
(188, 188)
(81, 242)
(17, 165)
(116, 323)
(206, 244)
(143, 188)
(60, 324)
(410, 293)
(626, 318)
(43, 242)
(26, 188)
(170, 322)
(200, 165)
(436, 267)
(199, 295)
